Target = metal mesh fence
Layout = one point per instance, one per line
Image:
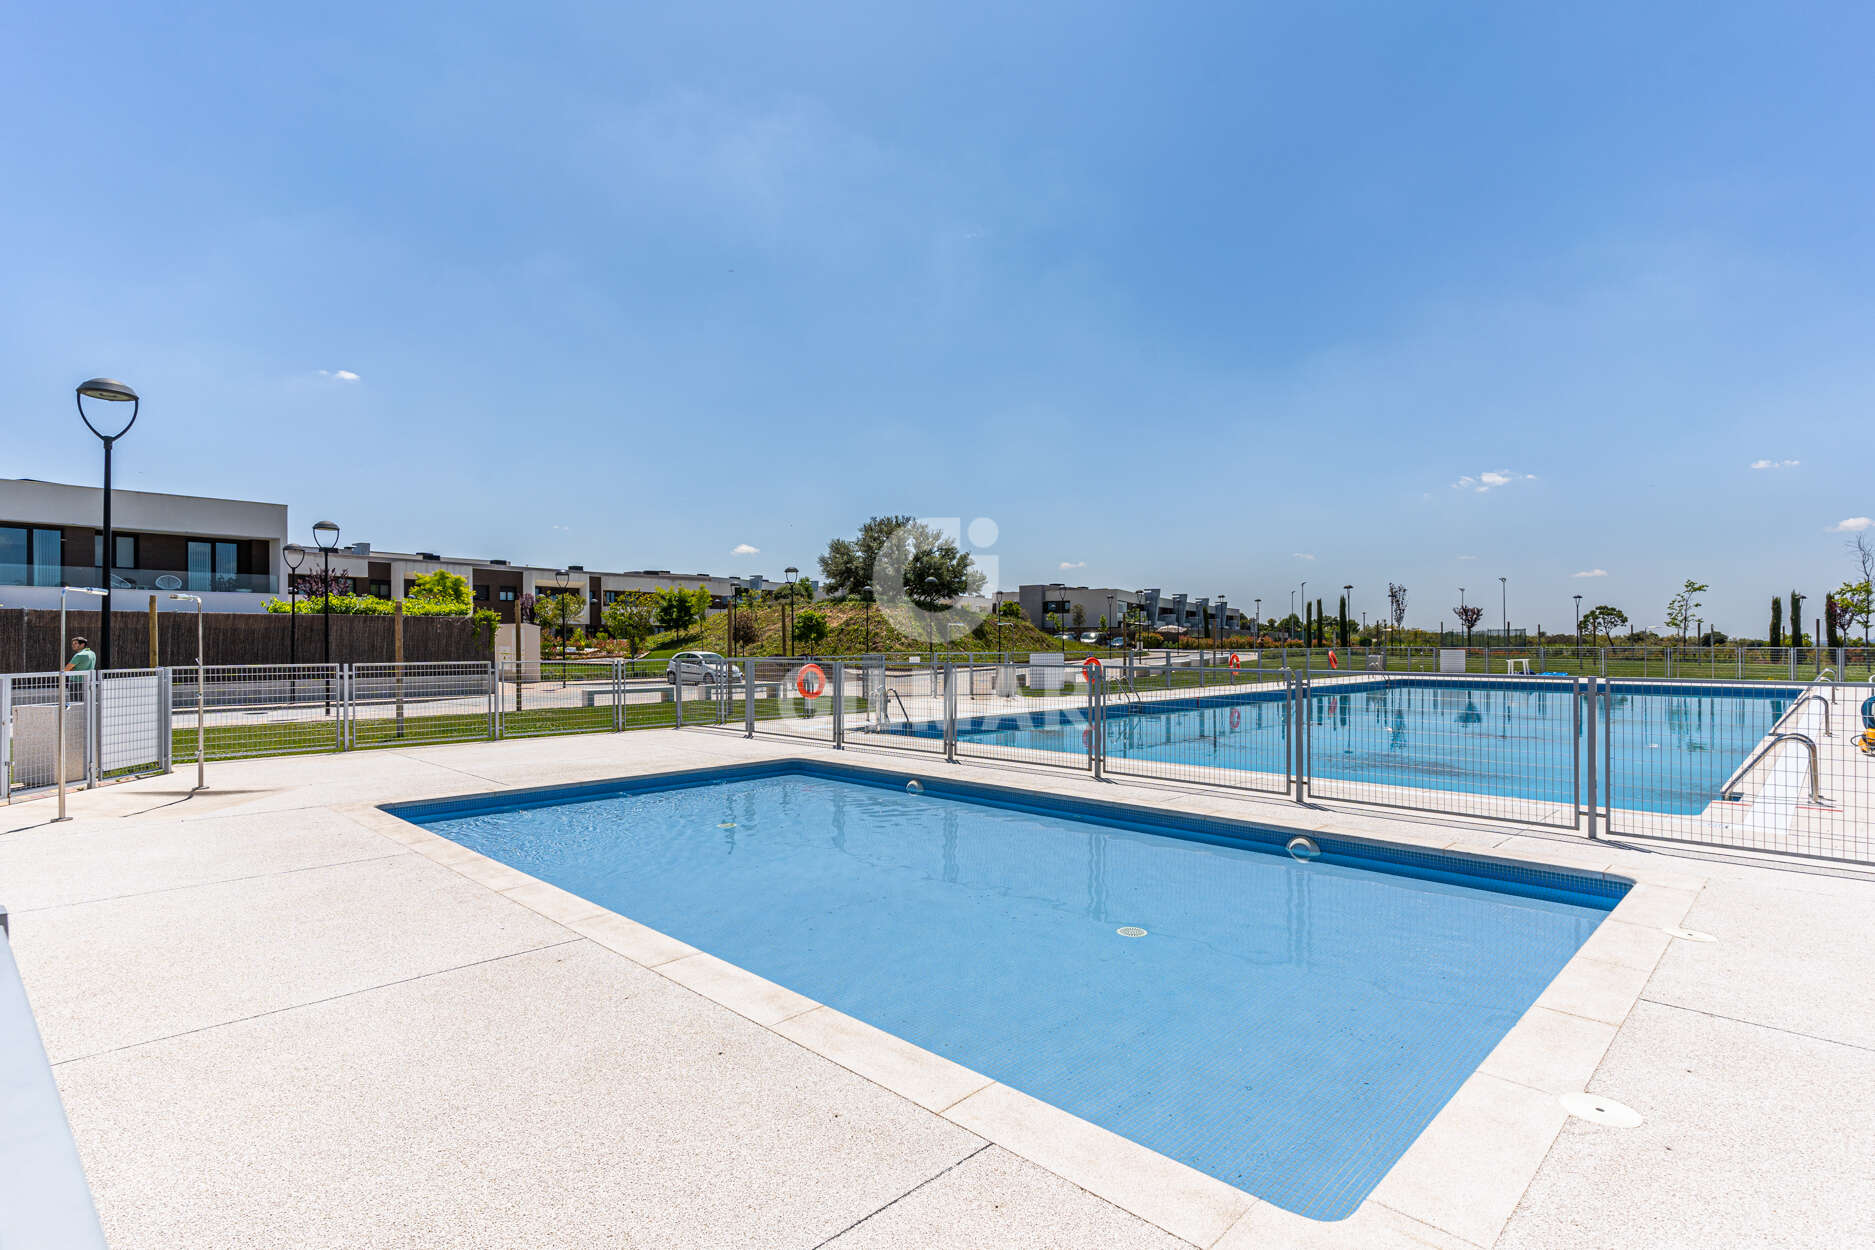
(1503, 748)
(536, 698)
(402, 704)
(1219, 725)
(1780, 767)
(131, 728)
(257, 709)
(28, 733)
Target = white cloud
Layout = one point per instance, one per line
(1490, 479)
(1591, 573)
(1302, 555)
(1468, 557)
(1851, 525)
(745, 549)
(1074, 564)
(1775, 464)
(339, 375)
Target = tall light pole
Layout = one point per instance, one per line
(1503, 585)
(1307, 641)
(326, 536)
(1461, 603)
(293, 555)
(1578, 599)
(787, 626)
(201, 704)
(58, 715)
(112, 391)
(1347, 606)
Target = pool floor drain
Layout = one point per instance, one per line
(1130, 930)
(1691, 935)
(1598, 1110)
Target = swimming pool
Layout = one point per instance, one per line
(1287, 1027)
(1672, 747)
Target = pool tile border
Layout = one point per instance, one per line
(1501, 1123)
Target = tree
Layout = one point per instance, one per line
(1796, 619)
(1681, 608)
(1396, 604)
(318, 584)
(1080, 616)
(1010, 610)
(1854, 606)
(1604, 620)
(678, 609)
(1777, 621)
(810, 627)
(630, 622)
(1469, 614)
(1342, 614)
(1832, 621)
(442, 589)
(897, 554)
(558, 610)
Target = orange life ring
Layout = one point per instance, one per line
(1332, 662)
(1235, 664)
(811, 681)
(1090, 667)
(1236, 718)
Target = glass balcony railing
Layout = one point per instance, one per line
(138, 579)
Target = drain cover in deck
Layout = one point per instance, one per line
(1599, 1110)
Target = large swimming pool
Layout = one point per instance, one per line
(1288, 1027)
(1673, 747)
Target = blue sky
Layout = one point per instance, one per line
(1206, 297)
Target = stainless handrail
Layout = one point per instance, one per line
(1730, 789)
(891, 694)
(1805, 698)
(1833, 682)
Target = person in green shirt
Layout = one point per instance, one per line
(83, 659)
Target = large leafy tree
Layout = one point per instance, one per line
(899, 555)
(441, 588)
(555, 610)
(678, 609)
(1854, 606)
(1604, 620)
(630, 621)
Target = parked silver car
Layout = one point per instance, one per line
(698, 668)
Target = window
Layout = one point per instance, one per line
(481, 594)
(15, 556)
(213, 565)
(382, 590)
(126, 545)
(507, 594)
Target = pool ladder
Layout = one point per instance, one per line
(1729, 791)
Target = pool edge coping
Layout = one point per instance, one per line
(1565, 1032)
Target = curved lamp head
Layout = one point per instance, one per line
(293, 554)
(326, 534)
(112, 391)
(792, 572)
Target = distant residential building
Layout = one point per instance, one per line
(229, 551)
(1158, 610)
(226, 550)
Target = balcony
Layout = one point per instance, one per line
(155, 580)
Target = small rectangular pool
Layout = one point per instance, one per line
(1287, 1027)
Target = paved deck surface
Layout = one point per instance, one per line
(274, 1025)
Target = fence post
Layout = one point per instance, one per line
(1097, 722)
(494, 699)
(950, 711)
(94, 728)
(166, 692)
(677, 701)
(1586, 745)
(748, 698)
(6, 737)
(839, 705)
(397, 659)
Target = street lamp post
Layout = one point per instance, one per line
(326, 537)
(1461, 604)
(930, 602)
(112, 391)
(294, 555)
(1347, 606)
(58, 715)
(787, 626)
(1503, 586)
(1578, 599)
(1307, 640)
(201, 703)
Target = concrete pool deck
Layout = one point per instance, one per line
(280, 1017)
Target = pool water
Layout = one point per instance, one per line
(1672, 749)
(1287, 1027)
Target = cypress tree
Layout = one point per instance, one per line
(1796, 619)
(1344, 620)
(1777, 621)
